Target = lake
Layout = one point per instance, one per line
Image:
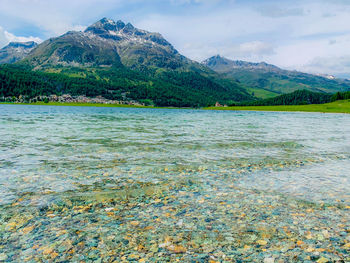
(147, 185)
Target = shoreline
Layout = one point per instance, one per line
(83, 104)
(333, 107)
(342, 106)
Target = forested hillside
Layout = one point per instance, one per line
(299, 97)
(176, 89)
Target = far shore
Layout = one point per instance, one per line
(80, 104)
(342, 106)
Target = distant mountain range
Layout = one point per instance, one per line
(118, 61)
(16, 51)
(266, 80)
(134, 64)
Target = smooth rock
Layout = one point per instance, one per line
(269, 260)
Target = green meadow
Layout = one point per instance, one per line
(341, 106)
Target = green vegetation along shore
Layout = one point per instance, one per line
(341, 106)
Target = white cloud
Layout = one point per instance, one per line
(12, 38)
(207, 2)
(291, 34)
(315, 55)
(6, 37)
(252, 51)
(339, 66)
(256, 48)
(56, 17)
(3, 38)
(275, 11)
(227, 32)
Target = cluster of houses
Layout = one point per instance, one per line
(68, 98)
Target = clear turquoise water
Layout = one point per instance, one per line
(183, 184)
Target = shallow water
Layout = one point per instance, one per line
(89, 184)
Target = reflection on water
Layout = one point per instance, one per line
(175, 184)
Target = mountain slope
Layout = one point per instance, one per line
(134, 64)
(73, 49)
(16, 51)
(265, 80)
(108, 43)
(137, 47)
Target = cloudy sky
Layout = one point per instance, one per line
(308, 35)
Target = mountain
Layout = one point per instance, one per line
(138, 47)
(109, 43)
(221, 64)
(16, 51)
(129, 63)
(264, 80)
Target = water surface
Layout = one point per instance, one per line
(86, 183)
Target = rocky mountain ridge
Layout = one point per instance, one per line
(16, 51)
(222, 64)
(108, 43)
(266, 80)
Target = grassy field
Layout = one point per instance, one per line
(262, 93)
(341, 106)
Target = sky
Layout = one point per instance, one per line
(310, 35)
